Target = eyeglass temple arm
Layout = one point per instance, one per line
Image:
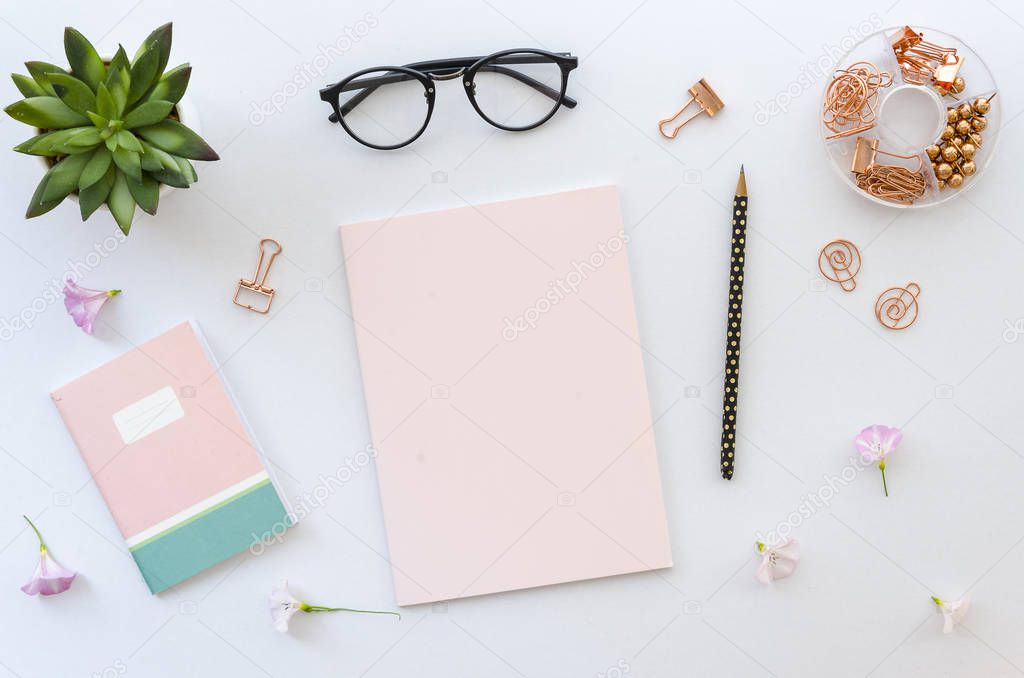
(370, 85)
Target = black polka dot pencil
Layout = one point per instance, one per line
(730, 399)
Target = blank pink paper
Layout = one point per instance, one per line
(506, 395)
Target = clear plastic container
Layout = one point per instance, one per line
(911, 117)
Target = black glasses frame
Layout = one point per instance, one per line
(429, 72)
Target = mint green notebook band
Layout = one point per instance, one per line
(210, 537)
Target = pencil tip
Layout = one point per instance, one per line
(741, 184)
(741, 169)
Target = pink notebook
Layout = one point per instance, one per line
(506, 394)
(172, 457)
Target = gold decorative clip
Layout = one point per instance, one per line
(897, 307)
(895, 183)
(258, 283)
(704, 96)
(922, 62)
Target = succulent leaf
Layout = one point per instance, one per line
(105, 105)
(73, 92)
(27, 86)
(37, 205)
(187, 170)
(63, 177)
(171, 178)
(121, 202)
(86, 64)
(120, 61)
(86, 139)
(45, 113)
(97, 119)
(50, 143)
(172, 86)
(39, 71)
(94, 195)
(119, 92)
(126, 139)
(161, 40)
(97, 167)
(144, 74)
(177, 139)
(158, 159)
(149, 113)
(146, 193)
(128, 162)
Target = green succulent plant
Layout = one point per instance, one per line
(110, 128)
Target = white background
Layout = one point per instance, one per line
(816, 365)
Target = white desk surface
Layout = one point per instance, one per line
(816, 365)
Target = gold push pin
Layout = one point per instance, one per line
(257, 284)
(704, 96)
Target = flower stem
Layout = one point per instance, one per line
(938, 601)
(113, 293)
(42, 544)
(884, 486)
(321, 608)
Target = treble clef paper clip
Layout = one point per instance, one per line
(839, 261)
(896, 308)
(258, 282)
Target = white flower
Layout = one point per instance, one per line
(283, 606)
(953, 612)
(778, 562)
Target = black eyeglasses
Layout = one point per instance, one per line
(514, 90)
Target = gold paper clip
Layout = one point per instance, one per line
(259, 278)
(704, 96)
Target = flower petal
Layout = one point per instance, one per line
(790, 550)
(49, 578)
(947, 622)
(83, 304)
(283, 606)
(890, 438)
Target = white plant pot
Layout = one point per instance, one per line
(187, 115)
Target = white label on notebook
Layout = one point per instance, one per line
(148, 415)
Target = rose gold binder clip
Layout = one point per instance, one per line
(888, 182)
(922, 61)
(701, 94)
(258, 283)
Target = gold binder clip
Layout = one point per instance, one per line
(947, 72)
(259, 278)
(922, 62)
(704, 96)
(867, 151)
(894, 183)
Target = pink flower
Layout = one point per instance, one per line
(778, 562)
(952, 613)
(84, 304)
(50, 576)
(877, 442)
(284, 606)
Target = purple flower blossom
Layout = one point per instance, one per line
(84, 304)
(50, 576)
